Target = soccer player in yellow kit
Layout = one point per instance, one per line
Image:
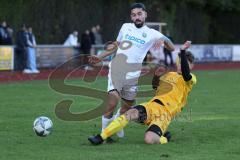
(172, 89)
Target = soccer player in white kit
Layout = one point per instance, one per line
(133, 41)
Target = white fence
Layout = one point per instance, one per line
(50, 56)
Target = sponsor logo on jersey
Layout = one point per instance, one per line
(135, 39)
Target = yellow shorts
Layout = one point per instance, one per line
(157, 114)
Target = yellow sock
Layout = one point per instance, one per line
(163, 140)
(115, 126)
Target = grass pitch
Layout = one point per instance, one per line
(208, 128)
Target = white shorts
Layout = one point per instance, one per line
(127, 88)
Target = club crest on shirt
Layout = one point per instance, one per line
(144, 35)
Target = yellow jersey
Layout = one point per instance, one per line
(173, 91)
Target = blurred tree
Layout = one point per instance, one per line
(203, 21)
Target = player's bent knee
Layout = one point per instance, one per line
(149, 139)
(131, 114)
(153, 134)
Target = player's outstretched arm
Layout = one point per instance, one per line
(184, 62)
(110, 49)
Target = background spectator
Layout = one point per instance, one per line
(98, 36)
(9, 38)
(86, 45)
(2, 32)
(72, 40)
(5, 34)
(86, 42)
(31, 53)
(92, 36)
(21, 49)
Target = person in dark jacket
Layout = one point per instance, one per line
(86, 43)
(21, 49)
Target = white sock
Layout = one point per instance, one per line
(117, 114)
(105, 122)
(120, 134)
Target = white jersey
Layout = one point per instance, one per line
(140, 41)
